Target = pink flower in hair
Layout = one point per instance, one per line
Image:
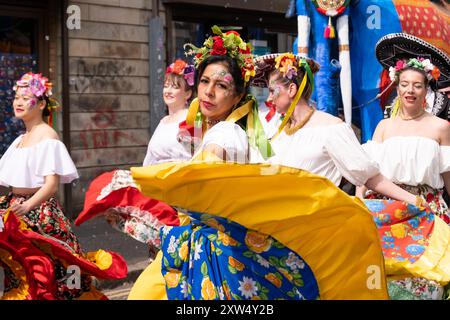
(38, 84)
(400, 65)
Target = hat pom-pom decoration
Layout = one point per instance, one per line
(329, 32)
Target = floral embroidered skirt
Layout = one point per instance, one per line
(414, 244)
(42, 257)
(234, 263)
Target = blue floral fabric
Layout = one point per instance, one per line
(215, 258)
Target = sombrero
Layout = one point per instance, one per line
(394, 46)
(265, 64)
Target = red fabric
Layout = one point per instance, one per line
(385, 81)
(127, 196)
(272, 111)
(33, 252)
(36, 265)
(184, 127)
(23, 240)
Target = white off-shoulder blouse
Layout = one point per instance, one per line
(330, 151)
(411, 160)
(27, 167)
(164, 146)
(231, 138)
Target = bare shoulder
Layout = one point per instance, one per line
(326, 118)
(378, 134)
(443, 129)
(47, 132)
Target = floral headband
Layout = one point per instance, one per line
(181, 68)
(431, 70)
(288, 64)
(39, 85)
(229, 43)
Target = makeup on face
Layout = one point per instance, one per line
(222, 76)
(216, 92)
(29, 100)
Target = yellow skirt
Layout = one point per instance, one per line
(332, 231)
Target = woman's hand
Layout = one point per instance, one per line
(21, 209)
(421, 203)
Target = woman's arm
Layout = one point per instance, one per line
(49, 188)
(381, 184)
(360, 191)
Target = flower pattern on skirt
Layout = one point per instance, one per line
(434, 198)
(404, 229)
(405, 234)
(215, 258)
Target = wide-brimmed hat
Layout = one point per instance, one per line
(265, 64)
(395, 46)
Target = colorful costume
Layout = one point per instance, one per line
(295, 236)
(39, 249)
(255, 246)
(415, 242)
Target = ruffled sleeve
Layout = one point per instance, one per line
(444, 159)
(51, 158)
(348, 155)
(230, 137)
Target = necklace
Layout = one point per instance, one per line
(212, 122)
(413, 117)
(294, 129)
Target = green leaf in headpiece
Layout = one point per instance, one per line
(216, 30)
(415, 63)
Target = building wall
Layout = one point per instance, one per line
(109, 88)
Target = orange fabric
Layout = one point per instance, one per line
(423, 19)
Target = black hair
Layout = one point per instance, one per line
(46, 110)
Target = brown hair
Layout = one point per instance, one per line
(307, 92)
(176, 79)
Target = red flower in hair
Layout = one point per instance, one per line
(218, 49)
(246, 51)
(233, 32)
(179, 66)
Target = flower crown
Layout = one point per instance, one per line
(286, 64)
(39, 85)
(229, 43)
(431, 71)
(181, 68)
